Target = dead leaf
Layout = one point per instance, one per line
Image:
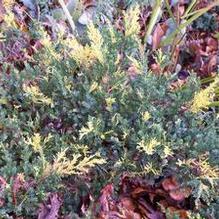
(158, 33)
(212, 44)
(106, 201)
(148, 211)
(138, 191)
(127, 208)
(170, 184)
(50, 208)
(127, 203)
(18, 184)
(137, 198)
(87, 16)
(132, 72)
(2, 202)
(174, 211)
(212, 64)
(156, 69)
(177, 195)
(143, 20)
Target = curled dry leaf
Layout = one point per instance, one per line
(127, 207)
(158, 33)
(127, 203)
(89, 3)
(89, 7)
(138, 191)
(203, 50)
(170, 184)
(147, 210)
(108, 207)
(177, 195)
(212, 64)
(212, 44)
(106, 201)
(180, 194)
(136, 198)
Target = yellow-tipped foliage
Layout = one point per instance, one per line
(94, 35)
(36, 95)
(9, 19)
(35, 142)
(149, 168)
(136, 64)
(77, 164)
(131, 17)
(96, 42)
(203, 98)
(85, 55)
(148, 147)
(167, 151)
(206, 170)
(111, 30)
(146, 116)
(7, 4)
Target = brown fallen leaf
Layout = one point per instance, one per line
(148, 211)
(180, 194)
(212, 44)
(156, 69)
(127, 208)
(158, 33)
(127, 203)
(132, 72)
(50, 208)
(212, 64)
(89, 3)
(183, 214)
(170, 184)
(138, 191)
(106, 197)
(18, 184)
(177, 195)
(143, 20)
(137, 198)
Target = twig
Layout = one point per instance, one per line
(67, 14)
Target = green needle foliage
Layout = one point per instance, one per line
(94, 109)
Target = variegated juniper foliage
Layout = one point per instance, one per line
(95, 106)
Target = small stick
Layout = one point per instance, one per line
(67, 14)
